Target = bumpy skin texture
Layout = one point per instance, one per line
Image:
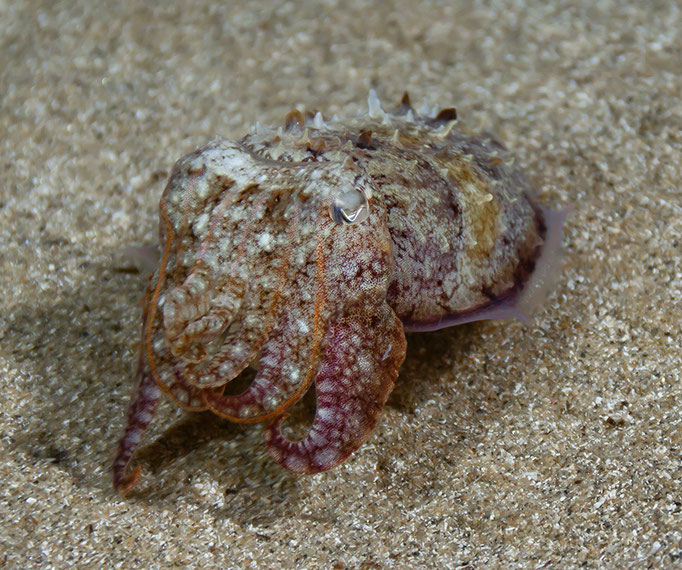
(304, 254)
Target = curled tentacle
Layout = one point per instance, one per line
(194, 317)
(157, 358)
(208, 300)
(206, 354)
(361, 360)
(140, 413)
(363, 348)
(242, 344)
(237, 349)
(290, 357)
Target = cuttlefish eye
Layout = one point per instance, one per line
(350, 207)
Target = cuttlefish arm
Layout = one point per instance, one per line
(146, 395)
(364, 345)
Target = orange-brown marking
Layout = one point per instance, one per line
(320, 299)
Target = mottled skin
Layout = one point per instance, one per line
(260, 269)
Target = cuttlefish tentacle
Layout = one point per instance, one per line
(363, 353)
(210, 341)
(154, 349)
(185, 306)
(146, 396)
(194, 317)
(166, 370)
(199, 310)
(238, 348)
(364, 346)
(226, 356)
(290, 357)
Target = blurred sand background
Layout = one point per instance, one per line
(503, 445)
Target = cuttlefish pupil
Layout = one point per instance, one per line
(350, 207)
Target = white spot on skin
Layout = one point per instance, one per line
(303, 327)
(201, 186)
(316, 438)
(328, 456)
(150, 392)
(265, 241)
(225, 370)
(134, 436)
(293, 376)
(144, 417)
(200, 225)
(181, 395)
(295, 463)
(248, 411)
(159, 345)
(272, 402)
(225, 245)
(268, 361)
(325, 414)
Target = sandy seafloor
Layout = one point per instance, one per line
(503, 445)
